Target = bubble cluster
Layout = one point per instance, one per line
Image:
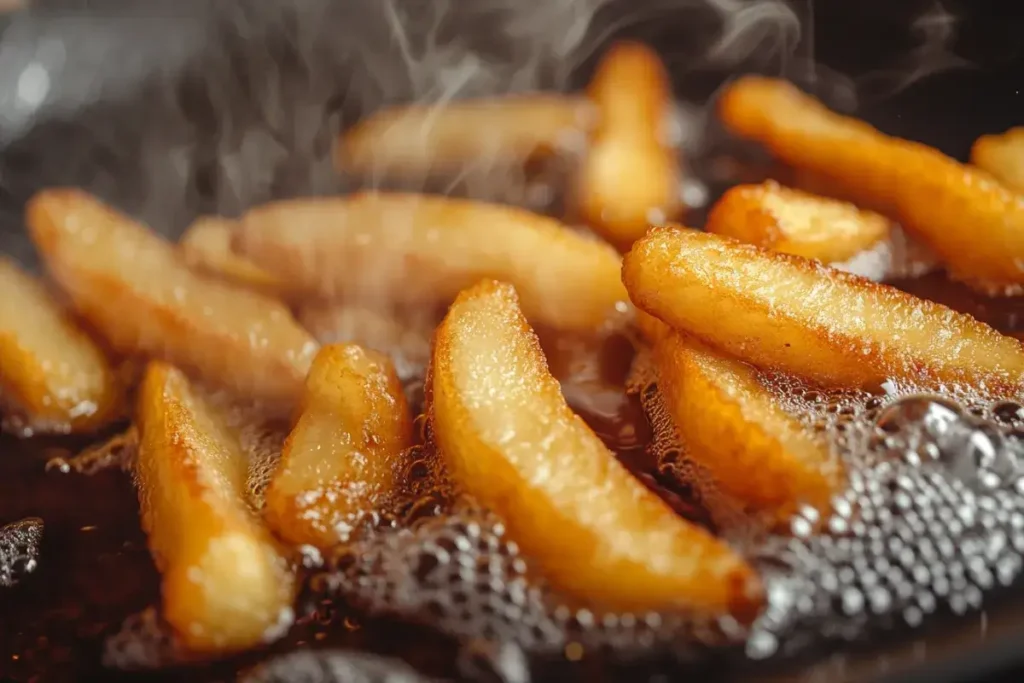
(19, 549)
(333, 666)
(144, 641)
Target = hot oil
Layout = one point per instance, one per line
(931, 523)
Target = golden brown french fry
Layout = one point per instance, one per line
(1002, 156)
(135, 290)
(225, 584)
(53, 377)
(734, 427)
(416, 248)
(343, 460)
(512, 442)
(783, 312)
(794, 222)
(973, 223)
(206, 246)
(630, 177)
(417, 140)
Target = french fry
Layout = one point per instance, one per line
(974, 224)
(342, 461)
(512, 442)
(53, 377)
(417, 140)
(136, 291)
(630, 177)
(225, 585)
(782, 312)
(1002, 156)
(206, 246)
(415, 248)
(794, 222)
(734, 427)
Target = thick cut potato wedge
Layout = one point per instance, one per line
(794, 222)
(207, 248)
(783, 312)
(1002, 156)
(53, 377)
(343, 460)
(511, 441)
(971, 221)
(418, 140)
(225, 584)
(631, 177)
(734, 427)
(137, 292)
(416, 248)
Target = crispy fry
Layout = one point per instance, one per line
(974, 224)
(225, 584)
(783, 312)
(417, 140)
(53, 377)
(734, 427)
(630, 177)
(206, 246)
(1002, 156)
(794, 222)
(416, 248)
(510, 440)
(133, 287)
(343, 460)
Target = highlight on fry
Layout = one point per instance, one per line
(795, 222)
(1003, 156)
(137, 292)
(735, 428)
(971, 221)
(511, 441)
(225, 584)
(343, 460)
(782, 312)
(53, 376)
(390, 248)
(630, 177)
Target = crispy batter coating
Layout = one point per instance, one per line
(383, 247)
(733, 426)
(343, 460)
(134, 288)
(786, 313)
(795, 222)
(225, 585)
(53, 376)
(971, 221)
(1002, 156)
(510, 440)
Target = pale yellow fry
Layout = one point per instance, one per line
(206, 246)
(1002, 156)
(734, 427)
(343, 460)
(225, 586)
(53, 377)
(133, 287)
(630, 177)
(783, 312)
(417, 140)
(417, 248)
(795, 222)
(511, 441)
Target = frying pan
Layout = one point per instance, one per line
(174, 108)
